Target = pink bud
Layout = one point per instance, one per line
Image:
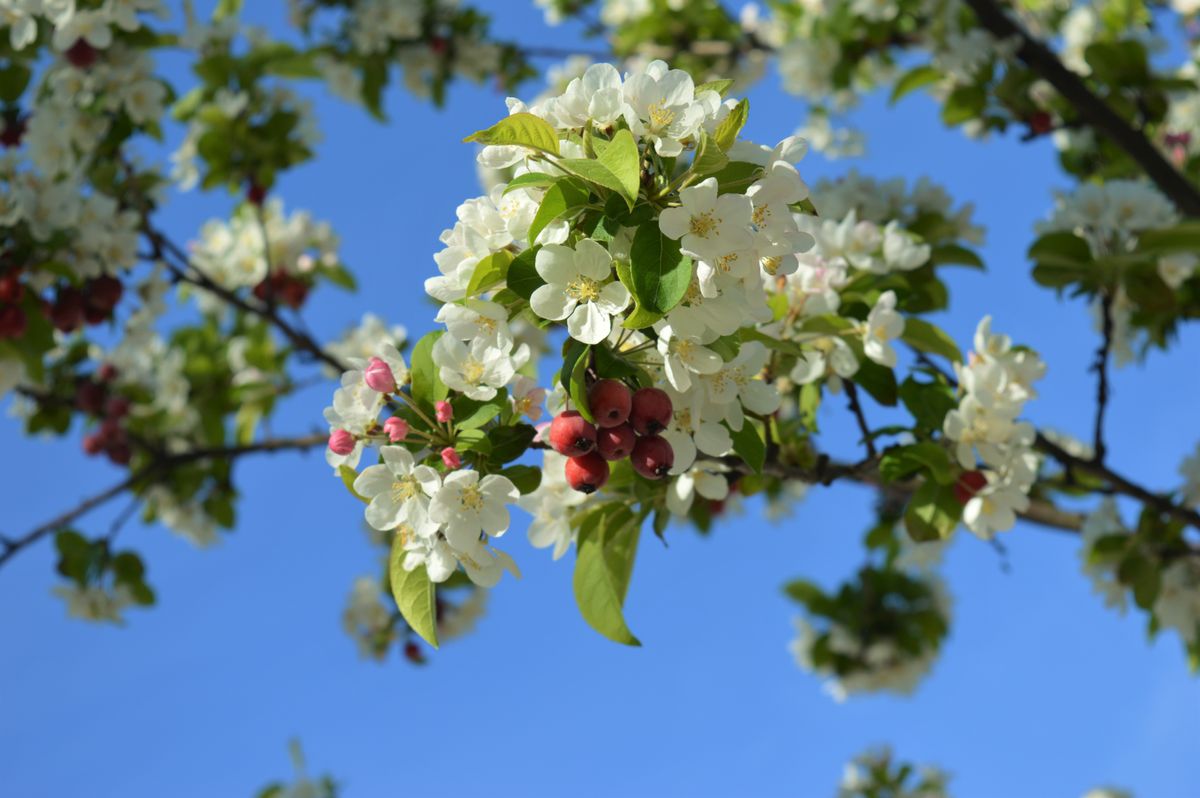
(396, 429)
(378, 376)
(341, 442)
(444, 411)
(451, 458)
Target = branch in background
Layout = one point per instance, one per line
(859, 416)
(1092, 109)
(158, 468)
(1101, 369)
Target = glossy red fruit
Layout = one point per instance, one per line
(969, 483)
(66, 314)
(588, 473)
(106, 373)
(118, 407)
(1040, 123)
(104, 293)
(89, 397)
(256, 194)
(293, 292)
(12, 321)
(93, 444)
(571, 434)
(11, 289)
(81, 54)
(610, 402)
(615, 443)
(652, 457)
(652, 411)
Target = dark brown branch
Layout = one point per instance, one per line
(1101, 369)
(1091, 108)
(157, 468)
(860, 417)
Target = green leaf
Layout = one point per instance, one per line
(953, 254)
(521, 129)
(525, 478)
(748, 444)
(964, 104)
(1143, 576)
(624, 163)
(561, 198)
(805, 592)
(489, 272)
(472, 414)
(877, 380)
(530, 180)
(660, 273)
(926, 337)
(523, 278)
(607, 544)
(597, 173)
(509, 443)
(414, 594)
(1060, 248)
(727, 132)
(932, 513)
(719, 86)
(14, 77)
(427, 386)
(577, 386)
(709, 158)
(226, 9)
(928, 402)
(1183, 237)
(348, 476)
(914, 79)
(340, 276)
(925, 457)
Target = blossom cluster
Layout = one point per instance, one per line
(991, 443)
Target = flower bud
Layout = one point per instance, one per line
(451, 458)
(396, 429)
(378, 376)
(341, 442)
(444, 411)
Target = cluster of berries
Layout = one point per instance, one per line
(281, 288)
(95, 398)
(71, 307)
(627, 425)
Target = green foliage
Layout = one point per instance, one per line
(660, 273)
(414, 594)
(607, 545)
(521, 129)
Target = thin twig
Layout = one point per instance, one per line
(1101, 369)
(158, 468)
(856, 408)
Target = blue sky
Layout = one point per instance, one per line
(1040, 692)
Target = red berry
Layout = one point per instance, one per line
(610, 402)
(263, 291)
(1040, 123)
(104, 293)
(118, 407)
(652, 457)
(93, 444)
(412, 653)
(12, 321)
(13, 129)
(587, 473)
(256, 194)
(81, 54)
(969, 483)
(652, 411)
(106, 373)
(11, 289)
(89, 397)
(67, 312)
(571, 434)
(615, 443)
(293, 292)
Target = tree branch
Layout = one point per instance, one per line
(1101, 369)
(1091, 108)
(158, 468)
(859, 416)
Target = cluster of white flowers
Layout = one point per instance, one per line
(366, 619)
(994, 384)
(880, 663)
(361, 341)
(872, 774)
(95, 602)
(885, 201)
(233, 254)
(1109, 216)
(72, 24)
(1102, 522)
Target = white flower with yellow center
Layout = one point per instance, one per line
(661, 106)
(690, 431)
(738, 385)
(399, 491)
(825, 356)
(883, 325)
(551, 505)
(478, 369)
(683, 356)
(579, 289)
(994, 509)
(706, 478)
(476, 318)
(467, 506)
(707, 225)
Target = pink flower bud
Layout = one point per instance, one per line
(378, 376)
(341, 442)
(451, 458)
(396, 429)
(444, 411)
